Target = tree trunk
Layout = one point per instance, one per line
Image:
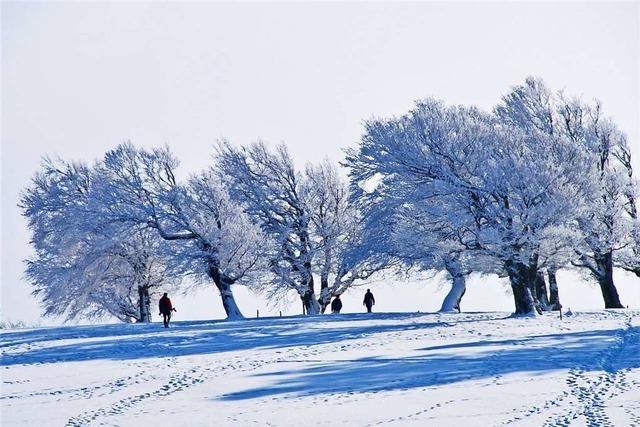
(309, 300)
(541, 291)
(519, 276)
(229, 302)
(532, 277)
(604, 265)
(310, 303)
(223, 284)
(325, 294)
(554, 300)
(144, 304)
(451, 302)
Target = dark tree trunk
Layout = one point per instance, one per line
(604, 265)
(325, 295)
(532, 277)
(144, 304)
(521, 285)
(309, 300)
(554, 300)
(541, 291)
(223, 284)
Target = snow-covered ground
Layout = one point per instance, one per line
(476, 369)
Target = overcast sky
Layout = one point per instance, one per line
(77, 79)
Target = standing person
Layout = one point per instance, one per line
(165, 309)
(369, 300)
(336, 305)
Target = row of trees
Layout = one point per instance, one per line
(109, 235)
(541, 183)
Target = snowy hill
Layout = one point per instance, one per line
(475, 369)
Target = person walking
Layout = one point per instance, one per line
(336, 305)
(369, 300)
(166, 308)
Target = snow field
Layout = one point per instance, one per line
(475, 369)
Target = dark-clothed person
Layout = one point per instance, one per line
(166, 308)
(369, 300)
(336, 305)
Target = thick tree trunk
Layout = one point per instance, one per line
(311, 306)
(309, 299)
(554, 299)
(541, 291)
(532, 278)
(451, 302)
(223, 284)
(229, 301)
(604, 265)
(144, 304)
(310, 302)
(521, 285)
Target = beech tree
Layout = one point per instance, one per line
(343, 257)
(500, 188)
(317, 232)
(273, 193)
(82, 268)
(413, 236)
(607, 223)
(210, 238)
(405, 204)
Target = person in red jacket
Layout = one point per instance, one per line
(165, 309)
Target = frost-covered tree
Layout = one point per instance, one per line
(499, 188)
(531, 109)
(628, 258)
(412, 235)
(415, 214)
(424, 241)
(317, 232)
(609, 222)
(274, 195)
(82, 268)
(343, 257)
(210, 237)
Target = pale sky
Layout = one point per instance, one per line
(79, 78)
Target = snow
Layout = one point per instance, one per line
(472, 369)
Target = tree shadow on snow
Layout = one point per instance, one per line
(125, 342)
(445, 364)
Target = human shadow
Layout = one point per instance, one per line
(446, 364)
